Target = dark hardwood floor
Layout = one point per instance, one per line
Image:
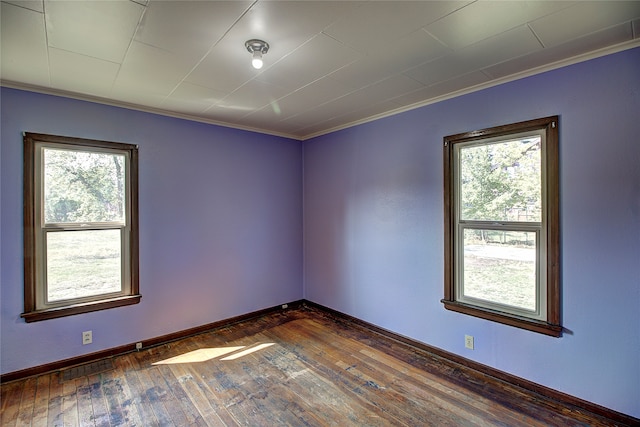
(298, 367)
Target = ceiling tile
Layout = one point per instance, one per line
(101, 29)
(505, 46)
(35, 5)
(23, 46)
(225, 68)
(345, 120)
(253, 95)
(226, 113)
(390, 88)
(316, 93)
(353, 101)
(378, 22)
(458, 83)
(391, 58)
(311, 61)
(368, 111)
(192, 99)
(484, 19)
(582, 19)
(79, 73)
(150, 69)
(188, 28)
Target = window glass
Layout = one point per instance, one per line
(83, 186)
(83, 263)
(500, 267)
(501, 181)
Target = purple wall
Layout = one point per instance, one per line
(373, 220)
(220, 226)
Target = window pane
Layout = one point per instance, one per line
(500, 267)
(83, 264)
(81, 186)
(501, 181)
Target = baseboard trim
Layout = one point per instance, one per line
(563, 400)
(128, 348)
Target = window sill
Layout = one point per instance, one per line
(70, 310)
(507, 319)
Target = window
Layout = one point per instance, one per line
(501, 225)
(80, 226)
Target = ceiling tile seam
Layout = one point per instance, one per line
(83, 55)
(469, 3)
(46, 39)
(347, 45)
(213, 45)
(451, 49)
(128, 49)
(24, 7)
(536, 35)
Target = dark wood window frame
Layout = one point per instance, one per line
(32, 312)
(552, 325)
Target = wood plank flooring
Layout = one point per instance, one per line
(299, 367)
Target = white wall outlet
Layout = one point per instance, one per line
(468, 342)
(138, 346)
(87, 337)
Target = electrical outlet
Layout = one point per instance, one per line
(138, 346)
(87, 337)
(468, 342)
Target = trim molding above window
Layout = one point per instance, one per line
(501, 212)
(80, 226)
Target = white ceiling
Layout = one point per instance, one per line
(331, 64)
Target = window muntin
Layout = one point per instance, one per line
(501, 221)
(80, 226)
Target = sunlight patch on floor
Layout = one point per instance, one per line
(206, 354)
(248, 351)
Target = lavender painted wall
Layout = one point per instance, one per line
(220, 226)
(373, 215)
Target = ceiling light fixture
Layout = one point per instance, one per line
(257, 48)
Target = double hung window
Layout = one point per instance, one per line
(501, 224)
(80, 226)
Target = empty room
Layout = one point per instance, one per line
(346, 213)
